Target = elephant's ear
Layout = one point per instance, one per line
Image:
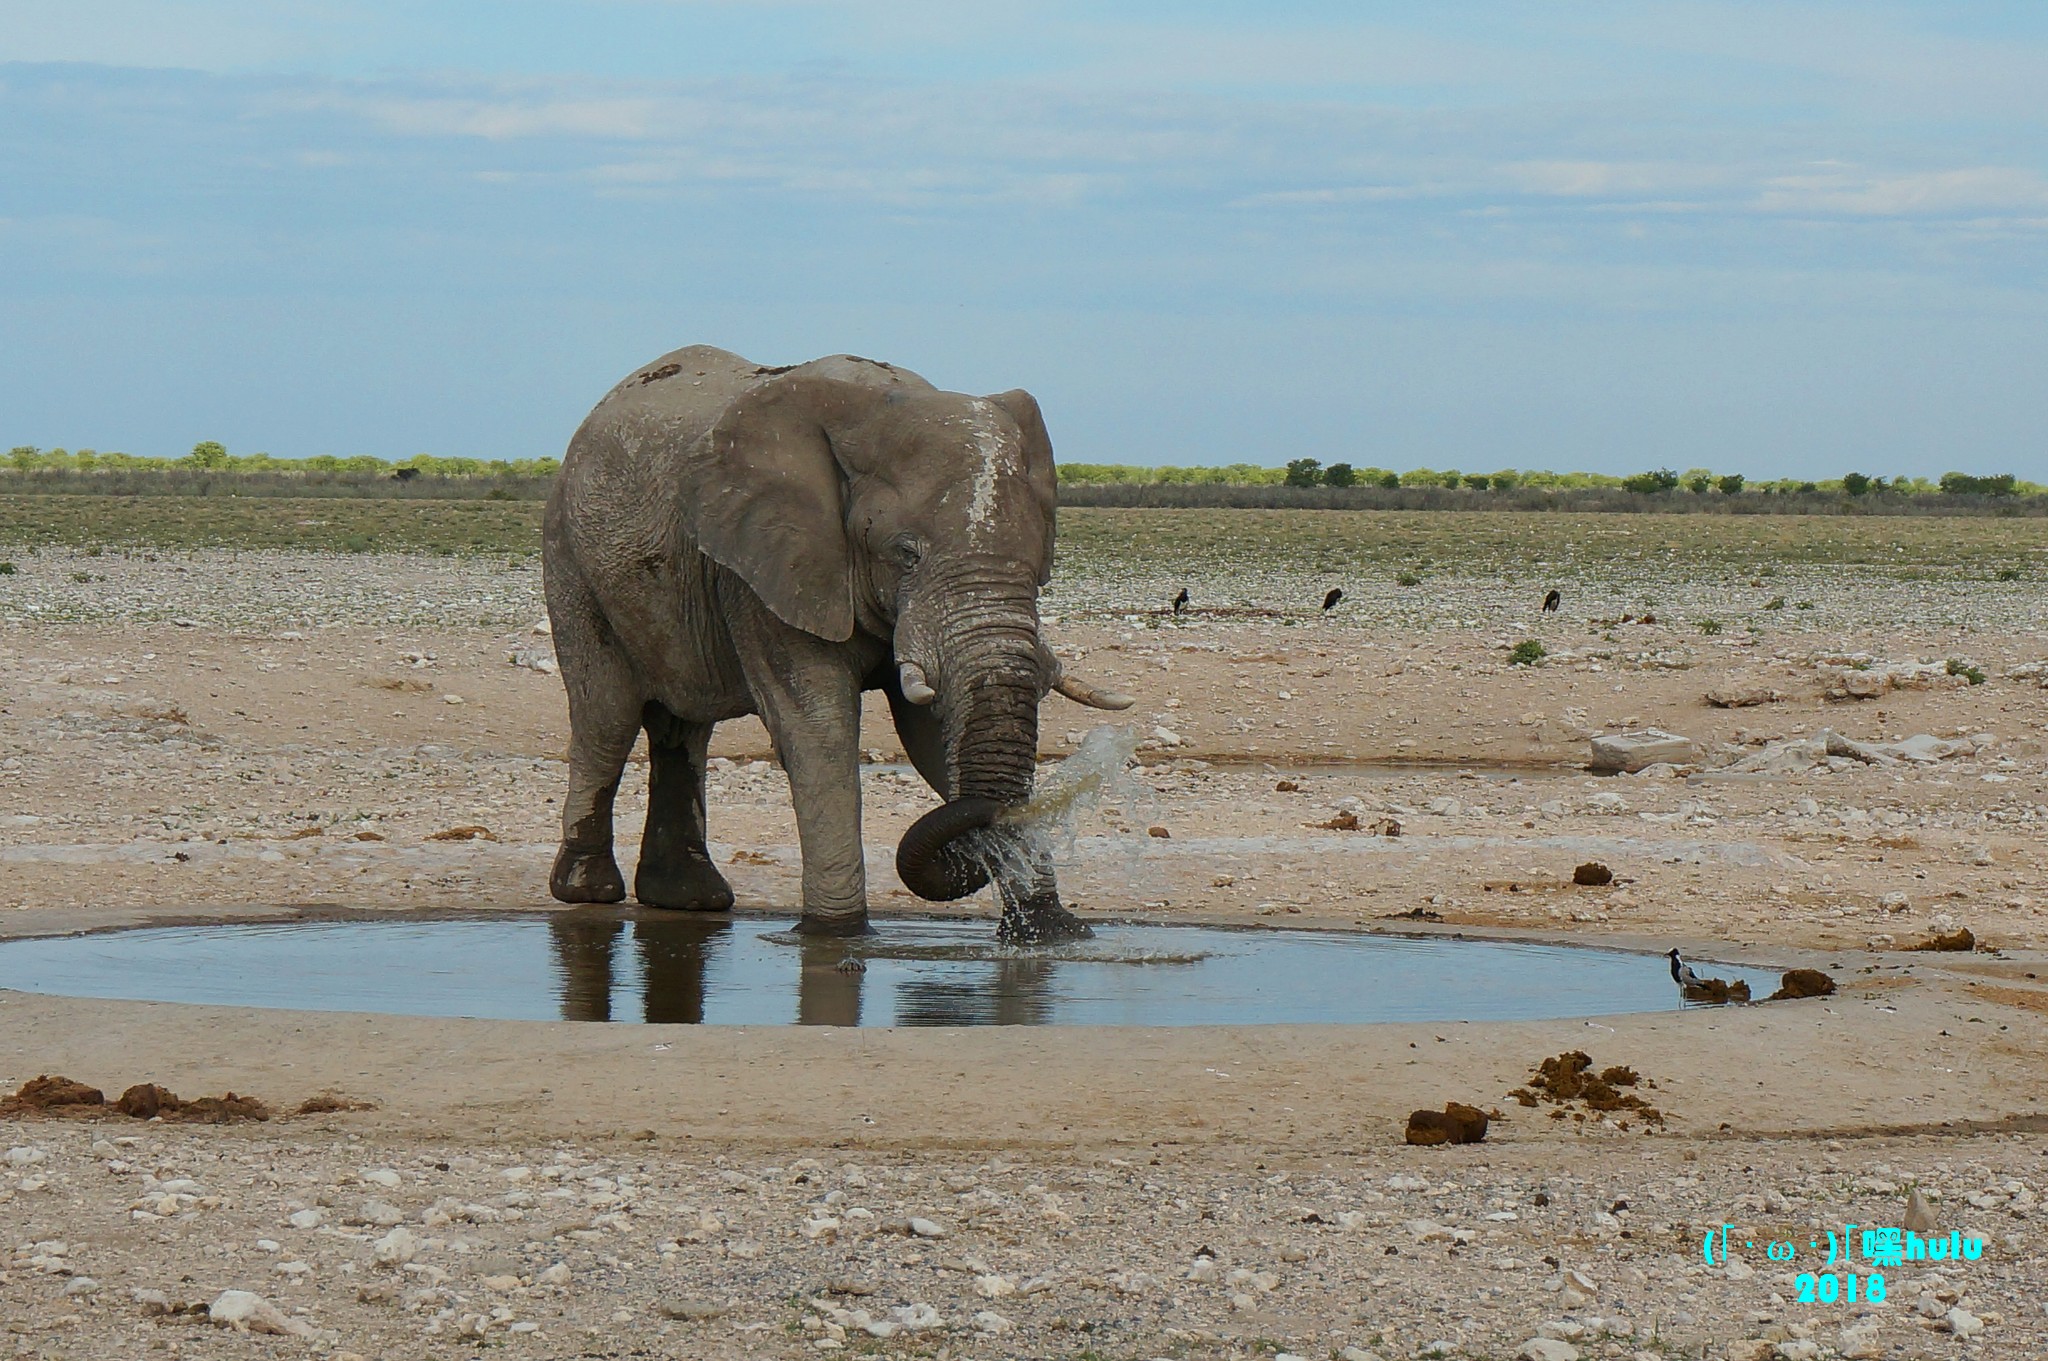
(765, 497)
(1038, 465)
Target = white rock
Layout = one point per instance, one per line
(1632, 751)
(247, 1312)
(1798, 1349)
(1357, 1354)
(925, 1228)
(1862, 1344)
(558, 1274)
(1738, 1271)
(380, 1213)
(307, 1219)
(995, 1287)
(1963, 1323)
(395, 1248)
(1547, 1349)
(22, 1157)
(82, 1285)
(988, 1321)
(384, 1177)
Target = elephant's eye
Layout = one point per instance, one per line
(906, 551)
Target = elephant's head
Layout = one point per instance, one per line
(921, 516)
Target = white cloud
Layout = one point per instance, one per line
(1971, 191)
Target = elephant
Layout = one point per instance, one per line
(726, 538)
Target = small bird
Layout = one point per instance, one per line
(1180, 602)
(1330, 601)
(1682, 974)
(1552, 601)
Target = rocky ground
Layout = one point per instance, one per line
(192, 734)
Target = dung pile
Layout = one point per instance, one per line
(61, 1097)
(1797, 983)
(1570, 1078)
(1456, 1123)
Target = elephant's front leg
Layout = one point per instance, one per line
(808, 692)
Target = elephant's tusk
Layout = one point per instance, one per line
(1081, 692)
(915, 689)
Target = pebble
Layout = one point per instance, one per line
(306, 1219)
(558, 1274)
(926, 1228)
(1546, 1349)
(82, 1286)
(691, 1310)
(395, 1248)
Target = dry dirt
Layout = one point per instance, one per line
(572, 1190)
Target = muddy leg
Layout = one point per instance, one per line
(675, 867)
(1032, 912)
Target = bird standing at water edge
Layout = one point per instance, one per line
(1682, 974)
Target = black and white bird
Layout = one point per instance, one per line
(1180, 602)
(1552, 601)
(1330, 601)
(1682, 974)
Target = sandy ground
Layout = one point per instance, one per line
(279, 730)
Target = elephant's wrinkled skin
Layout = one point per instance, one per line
(727, 539)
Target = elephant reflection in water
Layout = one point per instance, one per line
(673, 956)
(1019, 993)
(671, 967)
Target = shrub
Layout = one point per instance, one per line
(1804, 605)
(6, 569)
(1340, 475)
(1730, 484)
(1662, 480)
(1506, 481)
(208, 454)
(1390, 481)
(1962, 484)
(1958, 667)
(1304, 472)
(1698, 483)
(2009, 574)
(1856, 484)
(1776, 602)
(1478, 481)
(1528, 652)
(1710, 627)
(1408, 579)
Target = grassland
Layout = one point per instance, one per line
(1116, 539)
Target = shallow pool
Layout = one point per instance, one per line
(589, 965)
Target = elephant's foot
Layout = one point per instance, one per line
(582, 876)
(819, 923)
(1041, 919)
(686, 883)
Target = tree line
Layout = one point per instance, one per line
(210, 456)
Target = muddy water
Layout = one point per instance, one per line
(605, 965)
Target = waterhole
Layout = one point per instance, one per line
(610, 965)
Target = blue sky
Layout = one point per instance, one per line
(1783, 238)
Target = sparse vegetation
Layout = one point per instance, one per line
(1973, 674)
(1528, 652)
(1776, 602)
(1408, 579)
(1709, 627)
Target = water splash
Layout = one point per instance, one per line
(1020, 849)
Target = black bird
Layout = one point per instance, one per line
(1551, 602)
(1336, 594)
(1682, 974)
(1180, 602)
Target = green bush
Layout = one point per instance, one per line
(1856, 484)
(1304, 472)
(1710, 627)
(1662, 480)
(1730, 484)
(1408, 579)
(1340, 475)
(2009, 574)
(1958, 667)
(1528, 652)
(6, 569)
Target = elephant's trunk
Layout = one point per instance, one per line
(989, 683)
